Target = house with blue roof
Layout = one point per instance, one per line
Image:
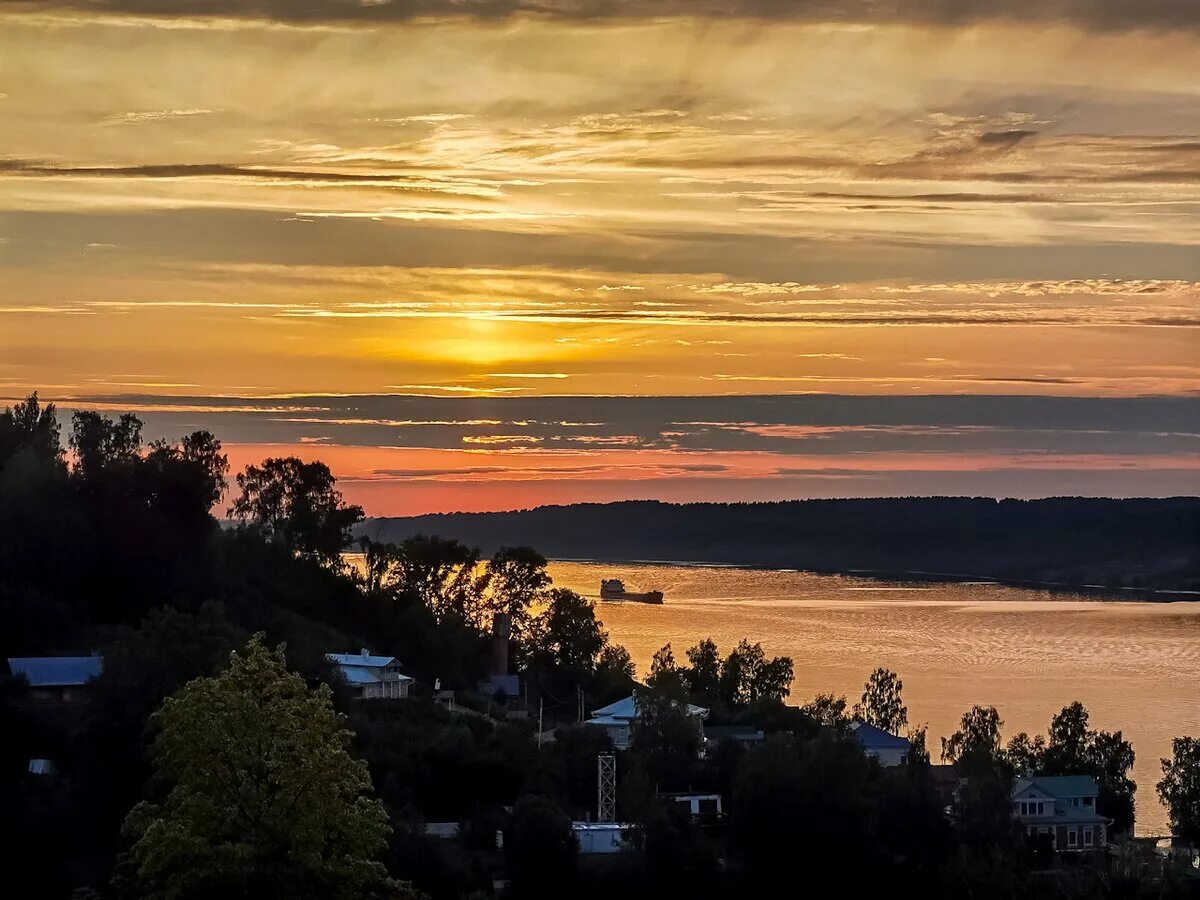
(61, 679)
(372, 677)
(1063, 808)
(618, 719)
(888, 749)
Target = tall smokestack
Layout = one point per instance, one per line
(501, 628)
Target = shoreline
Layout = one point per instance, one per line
(1100, 592)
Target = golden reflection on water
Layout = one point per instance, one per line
(1136, 666)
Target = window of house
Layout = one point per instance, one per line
(1088, 801)
(903, 759)
(1041, 808)
(1072, 837)
(1024, 808)
(708, 806)
(1087, 837)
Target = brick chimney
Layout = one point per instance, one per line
(501, 628)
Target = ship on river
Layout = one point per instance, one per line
(614, 589)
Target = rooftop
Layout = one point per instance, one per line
(1058, 785)
(364, 659)
(873, 738)
(627, 709)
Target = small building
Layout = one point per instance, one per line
(372, 677)
(618, 718)
(600, 837)
(888, 749)
(57, 679)
(1062, 807)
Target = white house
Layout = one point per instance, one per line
(889, 749)
(1063, 807)
(618, 718)
(372, 677)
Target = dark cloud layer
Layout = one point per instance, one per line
(797, 425)
(1098, 14)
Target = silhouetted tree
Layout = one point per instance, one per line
(665, 734)
(541, 849)
(828, 710)
(704, 670)
(1025, 754)
(748, 676)
(1074, 748)
(297, 504)
(516, 580)
(30, 427)
(976, 746)
(799, 804)
(882, 704)
(442, 573)
(1179, 788)
(99, 441)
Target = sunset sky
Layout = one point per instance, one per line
(485, 254)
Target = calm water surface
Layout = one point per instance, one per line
(1135, 666)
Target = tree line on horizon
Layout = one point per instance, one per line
(1114, 544)
(219, 754)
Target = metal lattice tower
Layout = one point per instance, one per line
(606, 788)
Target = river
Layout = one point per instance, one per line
(1134, 665)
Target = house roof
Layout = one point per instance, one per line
(56, 671)
(873, 738)
(365, 675)
(1058, 785)
(362, 659)
(627, 709)
(607, 721)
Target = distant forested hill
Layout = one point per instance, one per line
(1141, 543)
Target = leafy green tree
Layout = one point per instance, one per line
(541, 849)
(1179, 788)
(976, 746)
(264, 800)
(297, 504)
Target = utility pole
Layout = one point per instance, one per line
(540, 703)
(606, 788)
